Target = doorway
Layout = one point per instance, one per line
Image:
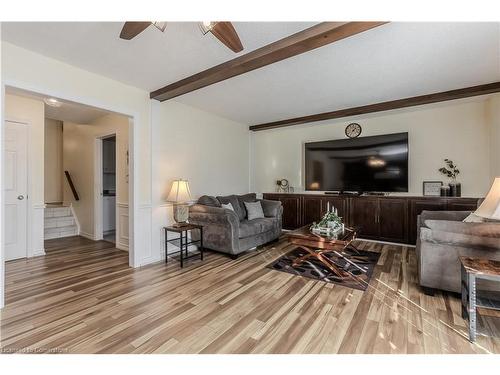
(108, 191)
(15, 189)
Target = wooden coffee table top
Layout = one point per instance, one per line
(481, 266)
(304, 234)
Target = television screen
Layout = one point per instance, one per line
(377, 163)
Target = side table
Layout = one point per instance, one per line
(474, 269)
(182, 242)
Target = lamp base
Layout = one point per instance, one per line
(181, 214)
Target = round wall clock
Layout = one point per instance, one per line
(353, 130)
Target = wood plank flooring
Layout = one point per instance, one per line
(83, 298)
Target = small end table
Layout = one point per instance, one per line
(182, 242)
(472, 270)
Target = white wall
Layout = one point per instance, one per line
(79, 161)
(456, 130)
(32, 112)
(27, 70)
(53, 166)
(493, 118)
(211, 152)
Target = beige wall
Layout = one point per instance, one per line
(493, 118)
(79, 159)
(455, 130)
(53, 175)
(211, 152)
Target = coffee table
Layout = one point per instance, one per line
(474, 269)
(317, 246)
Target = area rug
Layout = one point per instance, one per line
(358, 274)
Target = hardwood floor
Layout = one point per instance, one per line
(82, 298)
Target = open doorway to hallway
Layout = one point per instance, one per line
(108, 195)
(53, 186)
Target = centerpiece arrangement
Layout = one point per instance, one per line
(330, 225)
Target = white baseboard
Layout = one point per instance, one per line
(88, 235)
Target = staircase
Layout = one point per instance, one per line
(59, 222)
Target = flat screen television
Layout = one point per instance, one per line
(366, 164)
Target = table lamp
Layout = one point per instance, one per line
(490, 208)
(180, 196)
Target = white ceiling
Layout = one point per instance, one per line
(392, 61)
(68, 111)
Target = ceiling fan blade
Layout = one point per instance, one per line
(225, 32)
(132, 29)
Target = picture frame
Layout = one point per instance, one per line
(432, 188)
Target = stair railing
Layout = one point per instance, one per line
(71, 185)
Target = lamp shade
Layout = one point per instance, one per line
(490, 208)
(179, 193)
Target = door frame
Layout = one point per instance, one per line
(139, 232)
(98, 186)
(30, 252)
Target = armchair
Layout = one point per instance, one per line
(442, 238)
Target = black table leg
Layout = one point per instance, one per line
(182, 254)
(166, 246)
(201, 243)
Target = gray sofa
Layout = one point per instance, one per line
(442, 238)
(230, 231)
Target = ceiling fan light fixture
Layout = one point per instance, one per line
(160, 25)
(207, 26)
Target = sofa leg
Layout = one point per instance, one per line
(429, 291)
(234, 256)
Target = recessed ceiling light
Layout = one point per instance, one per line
(52, 102)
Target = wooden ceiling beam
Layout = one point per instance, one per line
(306, 40)
(384, 106)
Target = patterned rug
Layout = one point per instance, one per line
(358, 275)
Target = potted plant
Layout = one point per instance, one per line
(451, 171)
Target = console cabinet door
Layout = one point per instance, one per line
(291, 212)
(363, 214)
(462, 204)
(392, 219)
(311, 209)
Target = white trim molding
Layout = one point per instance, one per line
(122, 226)
(37, 226)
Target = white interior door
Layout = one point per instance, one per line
(16, 188)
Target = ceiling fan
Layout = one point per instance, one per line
(224, 31)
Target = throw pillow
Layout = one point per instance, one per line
(228, 206)
(254, 210)
(233, 199)
(208, 200)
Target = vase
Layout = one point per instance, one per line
(455, 189)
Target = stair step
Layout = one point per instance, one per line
(57, 222)
(57, 211)
(70, 230)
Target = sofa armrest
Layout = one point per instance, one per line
(213, 215)
(271, 208)
(459, 239)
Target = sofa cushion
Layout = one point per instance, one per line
(208, 200)
(250, 197)
(254, 210)
(233, 199)
(254, 227)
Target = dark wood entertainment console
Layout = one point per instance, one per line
(384, 218)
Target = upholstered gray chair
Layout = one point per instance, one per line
(230, 231)
(443, 238)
